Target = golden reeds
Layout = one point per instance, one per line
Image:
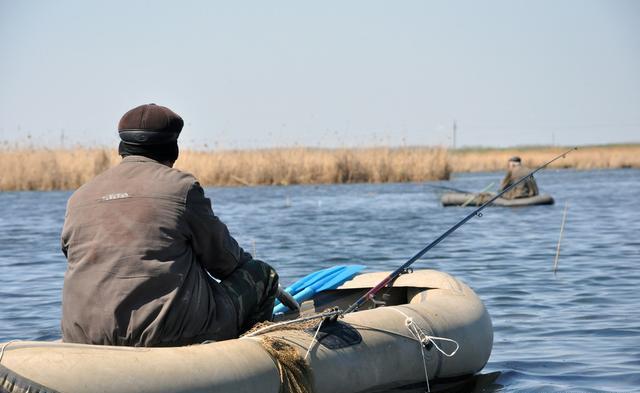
(587, 157)
(33, 169)
(45, 169)
(314, 166)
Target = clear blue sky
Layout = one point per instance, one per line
(326, 73)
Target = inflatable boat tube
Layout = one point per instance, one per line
(369, 350)
(460, 199)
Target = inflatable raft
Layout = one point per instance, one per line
(427, 325)
(464, 199)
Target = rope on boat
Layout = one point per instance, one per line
(424, 339)
(313, 340)
(295, 373)
(4, 346)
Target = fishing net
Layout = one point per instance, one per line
(295, 373)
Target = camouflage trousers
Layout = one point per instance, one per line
(252, 288)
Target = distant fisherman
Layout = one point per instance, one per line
(142, 243)
(527, 188)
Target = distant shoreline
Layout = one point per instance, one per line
(64, 169)
(615, 156)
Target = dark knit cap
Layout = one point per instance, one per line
(150, 130)
(514, 159)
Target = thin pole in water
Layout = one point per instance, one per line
(477, 212)
(253, 248)
(564, 219)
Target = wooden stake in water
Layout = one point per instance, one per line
(564, 219)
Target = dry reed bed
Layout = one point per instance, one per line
(588, 157)
(317, 166)
(43, 169)
(40, 169)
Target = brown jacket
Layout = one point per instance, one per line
(140, 239)
(527, 188)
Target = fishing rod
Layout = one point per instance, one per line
(371, 293)
(447, 188)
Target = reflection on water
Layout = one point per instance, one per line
(482, 382)
(577, 330)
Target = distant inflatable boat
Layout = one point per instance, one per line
(426, 326)
(468, 199)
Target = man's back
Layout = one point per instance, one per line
(133, 275)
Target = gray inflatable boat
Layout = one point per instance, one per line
(468, 199)
(430, 327)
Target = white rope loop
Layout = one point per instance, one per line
(5, 346)
(423, 340)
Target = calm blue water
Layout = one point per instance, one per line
(578, 330)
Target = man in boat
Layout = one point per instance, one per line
(144, 246)
(527, 188)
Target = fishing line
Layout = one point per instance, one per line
(328, 314)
